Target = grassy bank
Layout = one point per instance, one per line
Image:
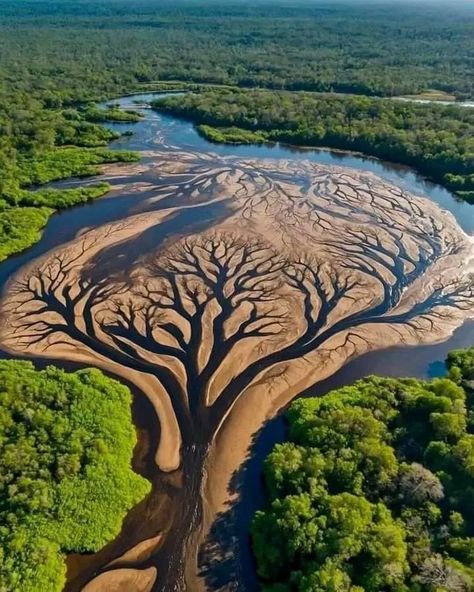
(65, 477)
(51, 151)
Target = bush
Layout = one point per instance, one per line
(20, 228)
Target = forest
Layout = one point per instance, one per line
(65, 476)
(373, 489)
(437, 140)
(87, 47)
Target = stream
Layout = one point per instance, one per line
(236, 571)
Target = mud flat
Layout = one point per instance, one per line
(242, 284)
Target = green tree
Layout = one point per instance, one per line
(373, 491)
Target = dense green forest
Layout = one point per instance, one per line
(42, 141)
(86, 47)
(66, 441)
(373, 489)
(436, 139)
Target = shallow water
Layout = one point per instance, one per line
(175, 132)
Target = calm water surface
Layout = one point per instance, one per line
(175, 132)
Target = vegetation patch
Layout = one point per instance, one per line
(63, 198)
(43, 139)
(32, 158)
(66, 441)
(112, 113)
(62, 163)
(231, 135)
(373, 489)
(20, 228)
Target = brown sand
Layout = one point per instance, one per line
(140, 552)
(123, 580)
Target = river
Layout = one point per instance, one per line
(157, 130)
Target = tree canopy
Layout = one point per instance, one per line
(373, 489)
(66, 441)
(367, 48)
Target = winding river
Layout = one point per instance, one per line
(156, 130)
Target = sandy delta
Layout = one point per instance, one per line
(241, 284)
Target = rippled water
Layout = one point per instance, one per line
(158, 127)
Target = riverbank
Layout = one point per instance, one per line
(409, 133)
(225, 560)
